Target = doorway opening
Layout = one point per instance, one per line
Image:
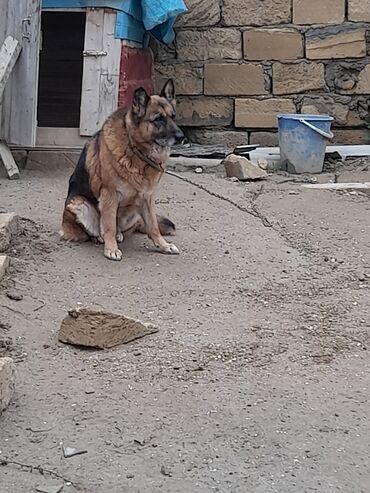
(61, 69)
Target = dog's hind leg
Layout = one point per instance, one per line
(80, 220)
(70, 230)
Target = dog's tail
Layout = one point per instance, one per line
(166, 227)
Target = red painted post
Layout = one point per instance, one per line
(136, 71)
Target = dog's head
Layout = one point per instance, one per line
(153, 117)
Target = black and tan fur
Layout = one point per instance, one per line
(111, 192)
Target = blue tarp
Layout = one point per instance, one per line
(135, 16)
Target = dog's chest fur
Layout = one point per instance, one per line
(112, 162)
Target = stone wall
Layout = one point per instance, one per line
(237, 63)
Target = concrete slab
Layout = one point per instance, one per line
(7, 382)
(52, 160)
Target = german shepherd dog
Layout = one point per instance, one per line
(111, 191)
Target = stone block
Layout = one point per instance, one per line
(256, 12)
(232, 79)
(188, 80)
(201, 13)
(204, 111)
(343, 44)
(318, 11)
(7, 382)
(343, 109)
(362, 85)
(161, 52)
(4, 264)
(293, 78)
(359, 10)
(241, 168)
(349, 78)
(272, 44)
(228, 138)
(359, 136)
(212, 44)
(261, 113)
(8, 227)
(264, 139)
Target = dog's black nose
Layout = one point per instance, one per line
(179, 136)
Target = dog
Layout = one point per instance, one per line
(111, 191)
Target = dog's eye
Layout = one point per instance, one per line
(159, 119)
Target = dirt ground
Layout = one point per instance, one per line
(258, 379)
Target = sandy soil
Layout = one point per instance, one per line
(258, 379)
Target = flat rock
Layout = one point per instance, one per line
(49, 487)
(7, 382)
(8, 227)
(101, 329)
(242, 169)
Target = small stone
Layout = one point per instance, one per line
(347, 84)
(165, 471)
(242, 169)
(14, 295)
(70, 452)
(198, 170)
(263, 164)
(130, 476)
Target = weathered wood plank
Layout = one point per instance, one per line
(110, 66)
(8, 161)
(89, 119)
(100, 82)
(21, 20)
(9, 53)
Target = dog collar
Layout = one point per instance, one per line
(150, 162)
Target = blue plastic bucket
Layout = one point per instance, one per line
(302, 140)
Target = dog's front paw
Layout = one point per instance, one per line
(171, 249)
(113, 254)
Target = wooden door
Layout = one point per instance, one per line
(100, 82)
(21, 19)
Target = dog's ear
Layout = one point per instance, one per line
(139, 103)
(168, 91)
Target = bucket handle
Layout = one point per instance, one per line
(326, 135)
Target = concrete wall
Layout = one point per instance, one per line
(239, 62)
